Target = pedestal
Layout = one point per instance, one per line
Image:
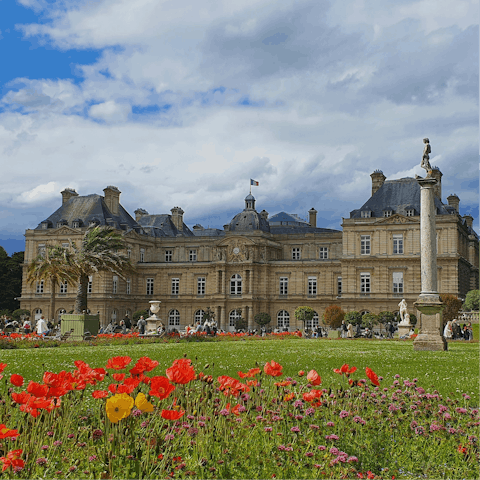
(403, 330)
(153, 323)
(431, 335)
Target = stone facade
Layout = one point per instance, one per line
(256, 265)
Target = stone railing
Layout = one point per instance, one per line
(466, 317)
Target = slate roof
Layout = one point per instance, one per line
(397, 195)
(162, 226)
(248, 220)
(284, 218)
(90, 208)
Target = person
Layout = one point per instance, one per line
(350, 331)
(206, 327)
(124, 326)
(447, 331)
(344, 329)
(359, 330)
(425, 157)
(26, 326)
(141, 325)
(199, 328)
(128, 323)
(42, 328)
(214, 326)
(391, 330)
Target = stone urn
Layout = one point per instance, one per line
(154, 322)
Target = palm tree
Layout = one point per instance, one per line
(54, 266)
(98, 251)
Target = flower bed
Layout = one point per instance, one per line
(126, 420)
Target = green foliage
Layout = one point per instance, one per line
(208, 315)
(452, 306)
(472, 300)
(5, 312)
(333, 316)
(140, 313)
(304, 314)
(353, 317)
(17, 314)
(10, 279)
(413, 319)
(385, 317)
(262, 319)
(370, 319)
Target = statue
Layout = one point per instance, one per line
(425, 158)
(403, 310)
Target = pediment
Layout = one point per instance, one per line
(236, 240)
(131, 234)
(65, 230)
(396, 219)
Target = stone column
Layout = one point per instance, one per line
(250, 318)
(222, 318)
(428, 303)
(250, 282)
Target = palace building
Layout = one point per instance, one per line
(258, 263)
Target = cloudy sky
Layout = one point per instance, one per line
(181, 102)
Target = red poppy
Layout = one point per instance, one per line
(144, 364)
(99, 394)
(251, 373)
(21, 398)
(301, 373)
(345, 370)
(118, 363)
(312, 395)
(118, 377)
(37, 389)
(2, 367)
(251, 383)
(235, 410)
(314, 378)
(12, 460)
(5, 432)
(372, 376)
(16, 380)
(181, 371)
(289, 397)
(232, 386)
(172, 414)
(126, 388)
(113, 388)
(160, 387)
(273, 369)
(285, 383)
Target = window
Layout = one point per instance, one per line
(387, 213)
(63, 287)
(59, 224)
(236, 284)
(41, 250)
(283, 285)
(115, 284)
(90, 284)
(366, 214)
(398, 244)
(364, 283)
(312, 285)
(313, 322)
(296, 253)
(168, 255)
(233, 317)
(175, 286)
(410, 212)
(339, 286)
(201, 285)
(283, 319)
(192, 256)
(65, 245)
(199, 316)
(142, 255)
(397, 282)
(39, 287)
(149, 286)
(174, 318)
(365, 244)
(76, 224)
(44, 225)
(129, 287)
(323, 253)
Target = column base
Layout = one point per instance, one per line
(431, 333)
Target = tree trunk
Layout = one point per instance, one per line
(81, 300)
(53, 285)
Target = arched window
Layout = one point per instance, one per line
(364, 312)
(38, 313)
(283, 319)
(313, 322)
(114, 315)
(234, 315)
(199, 316)
(236, 284)
(174, 318)
(128, 313)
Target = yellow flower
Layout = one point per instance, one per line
(143, 404)
(119, 406)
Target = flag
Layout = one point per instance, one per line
(254, 182)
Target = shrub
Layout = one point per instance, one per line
(472, 301)
(353, 317)
(262, 319)
(413, 319)
(16, 315)
(304, 314)
(370, 319)
(140, 313)
(452, 306)
(333, 316)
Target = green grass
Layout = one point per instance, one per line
(452, 373)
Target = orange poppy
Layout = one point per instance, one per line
(372, 376)
(285, 383)
(12, 460)
(251, 373)
(172, 414)
(160, 387)
(289, 397)
(314, 378)
(312, 395)
(273, 369)
(118, 363)
(6, 432)
(181, 371)
(99, 394)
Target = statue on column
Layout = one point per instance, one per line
(403, 310)
(425, 158)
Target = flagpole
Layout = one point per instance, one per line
(250, 187)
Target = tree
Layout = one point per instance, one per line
(208, 315)
(333, 316)
(472, 301)
(305, 314)
(385, 317)
(10, 279)
(140, 313)
(99, 251)
(452, 306)
(353, 317)
(19, 313)
(240, 322)
(53, 266)
(262, 319)
(369, 320)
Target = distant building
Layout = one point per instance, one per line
(258, 263)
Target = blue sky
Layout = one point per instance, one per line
(179, 102)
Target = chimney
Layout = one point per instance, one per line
(67, 194)
(112, 198)
(468, 220)
(378, 179)
(454, 201)
(264, 215)
(312, 217)
(177, 218)
(437, 174)
(139, 213)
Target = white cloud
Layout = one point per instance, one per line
(110, 111)
(40, 193)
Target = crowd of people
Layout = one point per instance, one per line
(454, 331)
(40, 327)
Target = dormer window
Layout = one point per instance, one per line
(76, 224)
(366, 213)
(409, 212)
(45, 225)
(61, 223)
(387, 213)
